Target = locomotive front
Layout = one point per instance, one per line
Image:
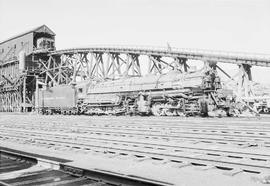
(194, 93)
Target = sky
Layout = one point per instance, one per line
(230, 25)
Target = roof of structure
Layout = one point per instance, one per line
(40, 29)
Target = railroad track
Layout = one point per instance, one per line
(37, 134)
(179, 156)
(153, 125)
(237, 139)
(124, 142)
(190, 126)
(262, 133)
(26, 172)
(184, 144)
(194, 137)
(21, 170)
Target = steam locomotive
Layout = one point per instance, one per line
(172, 94)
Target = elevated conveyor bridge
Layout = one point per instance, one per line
(110, 62)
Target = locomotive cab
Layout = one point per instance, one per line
(81, 88)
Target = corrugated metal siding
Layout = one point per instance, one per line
(13, 47)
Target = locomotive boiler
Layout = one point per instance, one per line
(171, 94)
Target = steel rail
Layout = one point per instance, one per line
(214, 161)
(254, 130)
(83, 138)
(66, 175)
(222, 140)
(249, 134)
(142, 145)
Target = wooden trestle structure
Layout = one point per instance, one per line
(19, 68)
(17, 90)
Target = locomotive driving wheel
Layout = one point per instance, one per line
(157, 109)
(169, 111)
(180, 112)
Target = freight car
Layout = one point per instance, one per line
(174, 93)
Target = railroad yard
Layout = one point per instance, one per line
(134, 93)
(149, 150)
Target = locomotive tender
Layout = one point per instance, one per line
(171, 94)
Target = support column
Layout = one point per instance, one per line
(247, 69)
(211, 64)
(181, 63)
(37, 95)
(24, 94)
(244, 88)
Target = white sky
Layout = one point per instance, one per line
(234, 25)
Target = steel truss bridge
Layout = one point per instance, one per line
(110, 62)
